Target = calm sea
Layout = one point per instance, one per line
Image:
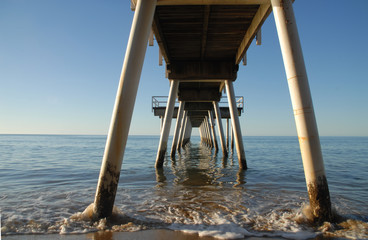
(46, 181)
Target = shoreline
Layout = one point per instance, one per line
(156, 234)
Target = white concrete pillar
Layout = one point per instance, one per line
(181, 132)
(236, 124)
(190, 130)
(232, 138)
(184, 131)
(208, 132)
(319, 196)
(227, 134)
(212, 125)
(177, 128)
(205, 129)
(220, 128)
(167, 123)
(200, 133)
(204, 133)
(162, 123)
(187, 132)
(123, 109)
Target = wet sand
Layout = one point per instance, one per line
(159, 234)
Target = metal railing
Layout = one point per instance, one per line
(161, 102)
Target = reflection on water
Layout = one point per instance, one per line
(199, 166)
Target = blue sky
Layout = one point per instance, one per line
(60, 64)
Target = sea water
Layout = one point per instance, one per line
(48, 181)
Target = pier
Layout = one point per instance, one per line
(202, 43)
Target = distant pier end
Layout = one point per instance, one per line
(198, 115)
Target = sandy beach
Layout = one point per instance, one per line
(159, 234)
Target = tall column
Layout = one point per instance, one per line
(232, 138)
(220, 129)
(188, 132)
(162, 123)
(167, 123)
(190, 129)
(181, 132)
(200, 133)
(208, 132)
(210, 117)
(184, 131)
(177, 128)
(123, 109)
(236, 124)
(319, 196)
(227, 134)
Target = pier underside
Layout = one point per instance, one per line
(202, 43)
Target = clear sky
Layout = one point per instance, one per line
(60, 63)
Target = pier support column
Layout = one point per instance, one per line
(227, 134)
(206, 132)
(209, 134)
(220, 128)
(123, 109)
(232, 139)
(182, 143)
(200, 133)
(236, 124)
(177, 128)
(212, 124)
(167, 123)
(181, 132)
(319, 196)
(187, 132)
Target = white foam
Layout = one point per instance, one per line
(240, 224)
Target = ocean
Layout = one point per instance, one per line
(47, 181)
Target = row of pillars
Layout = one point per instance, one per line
(299, 91)
(183, 127)
(208, 134)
